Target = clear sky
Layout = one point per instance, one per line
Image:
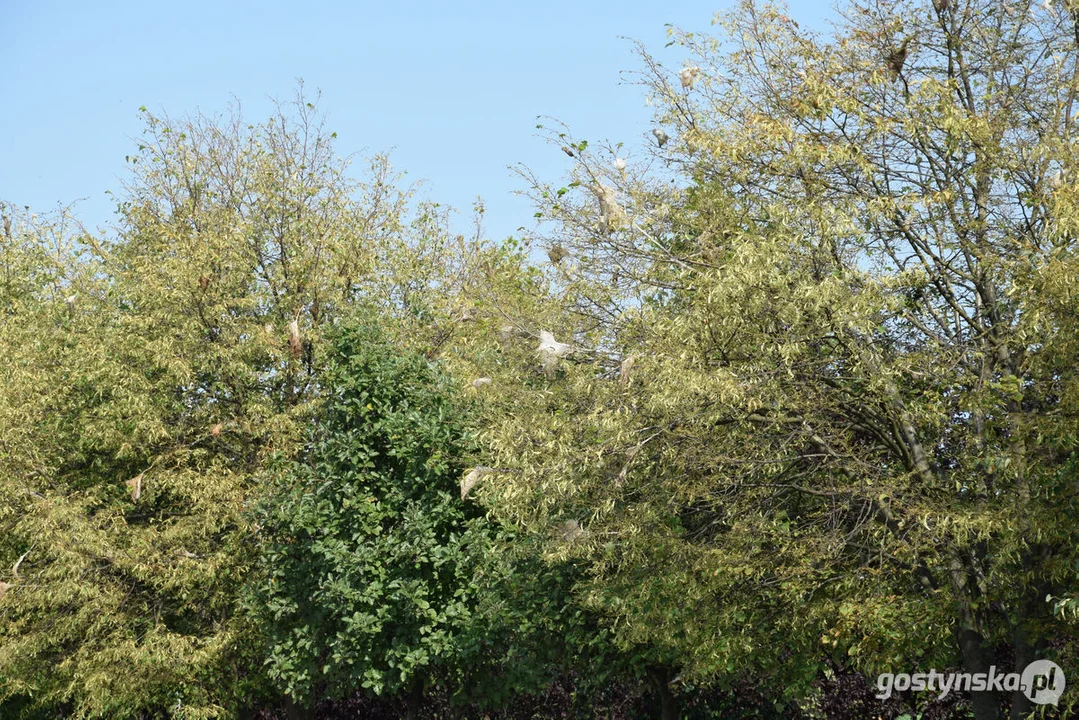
(450, 89)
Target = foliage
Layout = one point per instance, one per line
(379, 577)
(367, 545)
(149, 376)
(821, 401)
(793, 402)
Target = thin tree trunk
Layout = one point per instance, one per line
(986, 704)
(668, 703)
(415, 699)
(295, 711)
(1028, 645)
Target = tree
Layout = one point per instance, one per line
(367, 546)
(149, 376)
(821, 402)
(379, 577)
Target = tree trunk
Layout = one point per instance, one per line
(296, 711)
(415, 699)
(1024, 655)
(986, 704)
(1029, 646)
(668, 703)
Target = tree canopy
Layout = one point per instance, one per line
(820, 403)
(788, 397)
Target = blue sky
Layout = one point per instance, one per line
(451, 90)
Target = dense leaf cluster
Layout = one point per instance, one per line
(368, 551)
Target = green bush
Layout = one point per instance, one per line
(367, 548)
